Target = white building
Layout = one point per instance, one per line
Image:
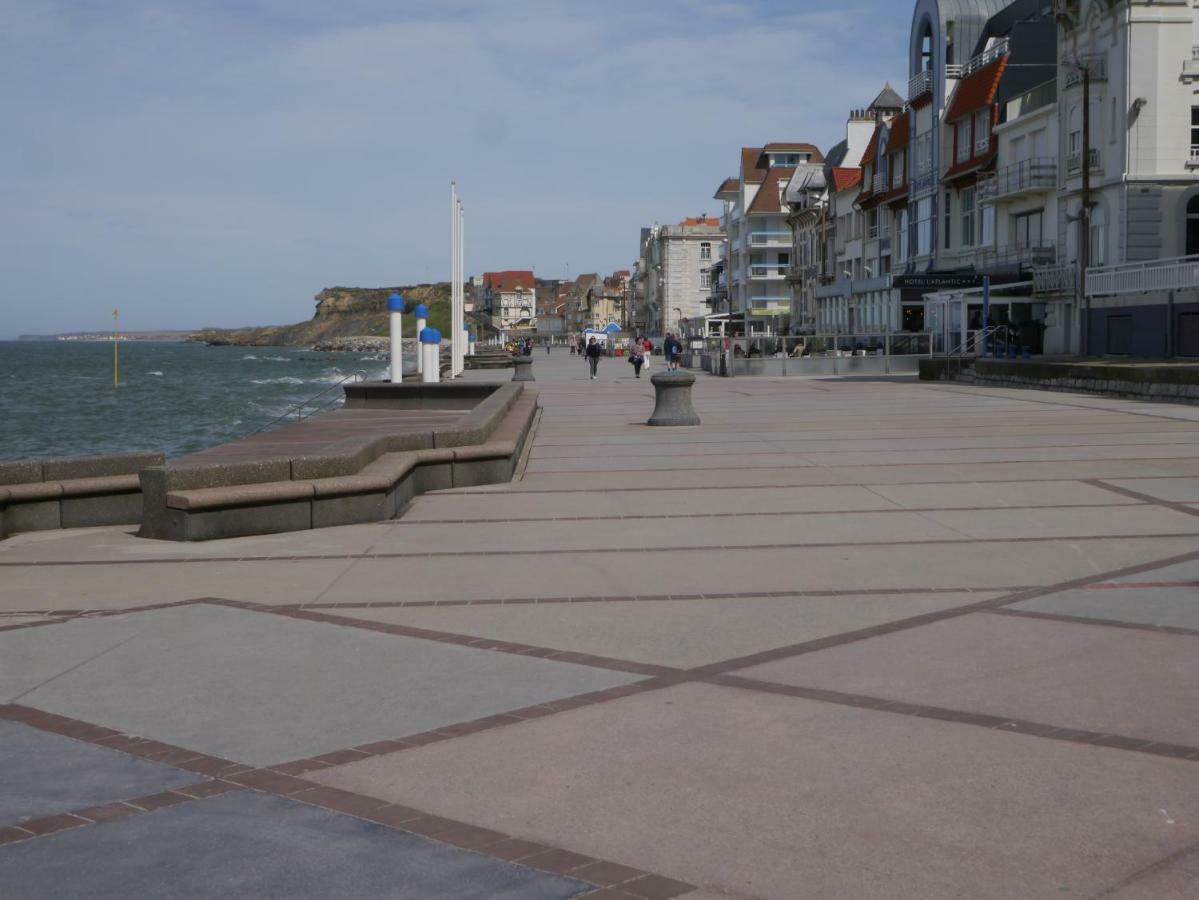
(677, 277)
(510, 299)
(758, 252)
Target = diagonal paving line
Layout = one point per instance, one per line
(1175, 505)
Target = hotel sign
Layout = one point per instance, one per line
(936, 282)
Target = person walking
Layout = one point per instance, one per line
(637, 358)
(594, 352)
(547, 348)
(671, 348)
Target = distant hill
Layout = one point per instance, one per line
(342, 312)
(107, 336)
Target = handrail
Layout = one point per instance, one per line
(981, 336)
(298, 409)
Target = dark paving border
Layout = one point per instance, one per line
(1094, 620)
(1176, 505)
(497, 845)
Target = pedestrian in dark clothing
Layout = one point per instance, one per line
(671, 348)
(594, 352)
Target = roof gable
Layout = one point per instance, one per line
(977, 90)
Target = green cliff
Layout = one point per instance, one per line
(343, 312)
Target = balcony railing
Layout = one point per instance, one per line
(1026, 176)
(769, 238)
(1193, 161)
(924, 183)
(1074, 161)
(1057, 279)
(878, 183)
(772, 270)
(1097, 65)
(920, 84)
(991, 257)
(1177, 273)
(872, 233)
(992, 53)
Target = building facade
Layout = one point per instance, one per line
(509, 299)
(678, 261)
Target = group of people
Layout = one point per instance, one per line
(640, 351)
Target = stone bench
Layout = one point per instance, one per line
(79, 492)
(353, 481)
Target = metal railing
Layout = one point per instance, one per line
(1175, 273)
(768, 270)
(1038, 254)
(992, 53)
(919, 84)
(814, 354)
(1194, 157)
(878, 183)
(761, 238)
(980, 343)
(1074, 160)
(297, 413)
(1057, 279)
(1021, 177)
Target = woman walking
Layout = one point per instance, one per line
(594, 351)
(637, 359)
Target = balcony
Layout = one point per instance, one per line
(1029, 176)
(1178, 273)
(1074, 161)
(770, 238)
(1193, 161)
(878, 183)
(919, 85)
(994, 257)
(1097, 65)
(771, 271)
(1055, 280)
(1000, 48)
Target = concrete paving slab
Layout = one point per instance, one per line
(1183, 571)
(669, 459)
(759, 795)
(683, 633)
(1008, 523)
(1176, 607)
(953, 565)
(253, 846)
(1107, 680)
(260, 689)
(44, 774)
(1177, 490)
(986, 496)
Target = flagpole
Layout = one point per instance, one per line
(453, 270)
(116, 313)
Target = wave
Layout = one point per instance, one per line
(268, 358)
(286, 379)
(154, 373)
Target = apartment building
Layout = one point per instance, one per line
(509, 298)
(678, 263)
(759, 241)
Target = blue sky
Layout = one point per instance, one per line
(218, 163)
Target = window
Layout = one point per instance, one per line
(948, 229)
(982, 131)
(901, 236)
(1195, 126)
(1192, 230)
(705, 279)
(1097, 238)
(967, 202)
(986, 225)
(924, 227)
(1074, 131)
(1026, 229)
(705, 251)
(962, 140)
(897, 169)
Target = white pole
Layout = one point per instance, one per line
(395, 309)
(453, 268)
(430, 345)
(422, 321)
(460, 336)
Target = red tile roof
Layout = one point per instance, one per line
(871, 146)
(508, 281)
(977, 90)
(901, 131)
(970, 166)
(755, 165)
(845, 178)
(729, 185)
(709, 220)
(769, 196)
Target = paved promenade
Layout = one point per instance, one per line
(848, 638)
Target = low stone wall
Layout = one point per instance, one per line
(1179, 382)
(826, 365)
(363, 479)
(78, 492)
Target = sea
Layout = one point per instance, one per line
(57, 397)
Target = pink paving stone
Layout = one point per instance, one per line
(1092, 677)
(762, 795)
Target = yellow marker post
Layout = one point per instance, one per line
(115, 334)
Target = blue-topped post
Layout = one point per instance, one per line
(395, 311)
(422, 320)
(467, 337)
(470, 341)
(430, 349)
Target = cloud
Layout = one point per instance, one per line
(222, 162)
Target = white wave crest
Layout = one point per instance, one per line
(154, 373)
(286, 379)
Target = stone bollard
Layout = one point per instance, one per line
(523, 368)
(672, 399)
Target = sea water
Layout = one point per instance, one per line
(57, 397)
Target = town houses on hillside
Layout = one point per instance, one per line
(1040, 177)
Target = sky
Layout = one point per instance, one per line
(218, 162)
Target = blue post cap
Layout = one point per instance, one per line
(421, 311)
(472, 338)
(395, 303)
(430, 336)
